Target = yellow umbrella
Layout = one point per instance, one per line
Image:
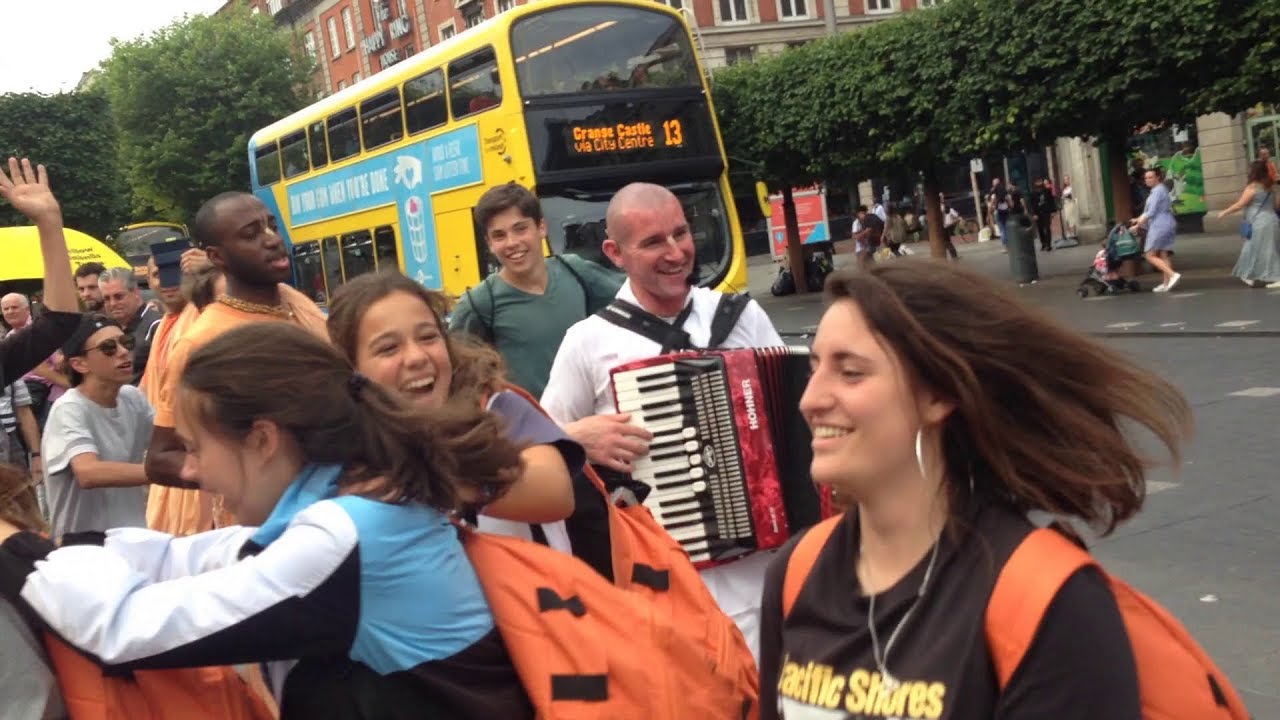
(20, 253)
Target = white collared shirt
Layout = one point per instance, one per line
(579, 387)
(579, 384)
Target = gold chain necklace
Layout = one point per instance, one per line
(281, 310)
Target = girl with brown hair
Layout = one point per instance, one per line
(364, 606)
(1259, 263)
(390, 328)
(946, 410)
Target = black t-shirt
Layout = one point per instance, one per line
(1043, 202)
(872, 228)
(818, 663)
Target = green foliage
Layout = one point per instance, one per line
(72, 136)
(187, 98)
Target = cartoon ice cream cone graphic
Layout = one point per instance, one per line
(417, 227)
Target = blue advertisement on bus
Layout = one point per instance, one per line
(407, 177)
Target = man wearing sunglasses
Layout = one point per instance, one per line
(97, 434)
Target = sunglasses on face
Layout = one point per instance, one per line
(109, 347)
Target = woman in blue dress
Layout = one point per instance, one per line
(1259, 263)
(1157, 218)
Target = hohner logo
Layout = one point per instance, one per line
(749, 397)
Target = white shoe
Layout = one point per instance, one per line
(1274, 285)
(1173, 281)
(1247, 282)
(1160, 288)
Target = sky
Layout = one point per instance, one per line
(52, 43)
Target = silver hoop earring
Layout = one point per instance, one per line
(920, 453)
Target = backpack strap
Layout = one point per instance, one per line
(1025, 588)
(728, 310)
(485, 324)
(802, 558)
(670, 335)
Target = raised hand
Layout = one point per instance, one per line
(27, 189)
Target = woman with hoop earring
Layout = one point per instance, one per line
(939, 407)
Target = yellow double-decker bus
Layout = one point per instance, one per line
(571, 98)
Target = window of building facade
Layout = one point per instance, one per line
(355, 78)
(447, 31)
(349, 28)
(673, 4)
(309, 44)
(927, 3)
(505, 5)
(735, 55)
(403, 7)
(473, 14)
(793, 8)
(335, 47)
(879, 6)
(733, 11)
(275, 6)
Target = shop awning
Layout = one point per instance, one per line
(20, 253)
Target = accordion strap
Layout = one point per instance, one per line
(671, 335)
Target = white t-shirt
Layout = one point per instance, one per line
(78, 425)
(579, 387)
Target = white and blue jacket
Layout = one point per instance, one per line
(358, 608)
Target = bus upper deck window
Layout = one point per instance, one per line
(384, 242)
(267, 159)
(319, 151)
(474, 85)
(344, 135)
(293, 154)
(381, 119)
(600, 48)
(424, 103)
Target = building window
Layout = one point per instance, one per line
(734, 11)
(342, 84)
(473, 14)
(403, 7)
(355, 78)
(794, 8)
(926, 3)
(673, 4)
(309, 44)
(735, 55)
(879, 6)
(275, 6)
(505, 5)
(349, 28)
(447, 31)
(334, 45)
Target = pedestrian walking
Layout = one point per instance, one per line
(1043, 206)
(1070, 213)
(1157, 218)
(1259, 263)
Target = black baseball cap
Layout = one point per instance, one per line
(168, 257)
(89, 324)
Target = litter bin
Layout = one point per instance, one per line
(1022, 249)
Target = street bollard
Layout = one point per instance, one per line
(1022, 249)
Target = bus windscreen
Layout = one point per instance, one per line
(600, 47)
(620, 133)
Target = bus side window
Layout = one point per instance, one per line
(384, 241)
(293, 152)
(381, 119)
(267, 158)
(357, 254)
(332, 263)
(319, 151)
(424, 103)
(344, 135)
(306, 263)
(473, 83)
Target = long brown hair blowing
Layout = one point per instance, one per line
(1260, 173)
(1039, 409)
(447, 458)
(478, 370)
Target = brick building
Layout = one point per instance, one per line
(352, 39)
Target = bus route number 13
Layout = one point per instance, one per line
(673, 133)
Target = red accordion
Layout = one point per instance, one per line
(728, 469)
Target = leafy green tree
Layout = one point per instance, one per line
(187, 99)
(70, 134)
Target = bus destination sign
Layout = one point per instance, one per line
(591, 139)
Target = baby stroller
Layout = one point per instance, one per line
(1104, 275)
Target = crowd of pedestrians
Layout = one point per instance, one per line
(241, 483)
